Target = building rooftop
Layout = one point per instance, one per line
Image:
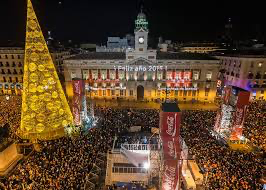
(247, 53)
(186, 56)
(99, 55)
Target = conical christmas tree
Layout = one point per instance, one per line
(45, 110)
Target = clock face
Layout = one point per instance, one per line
(141, 40)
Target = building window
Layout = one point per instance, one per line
(130, 57)
(15, 71)
(8, 71)
(19, 64)
(13, 64)
(264, 76)
(176, 92)
(207, 90)
(260, 64)
(194, 93)
(104, 93)
(16, 79)
(258, 75)
(250, 75)
(3, 71)
(251, 64)
(113, 92)
(150, 57)
(1, 64)
(7, 64)
(196, 75)
(10, 79)
(121, 92)
(6, 57)
(209, 75)
(12, 56)
(140, 49)
(131, 92)
(4, 79)
(18, 56)
(232, 73)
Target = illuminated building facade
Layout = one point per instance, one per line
(144, 74)
(11, 68)
(246, 71)
(45, 110)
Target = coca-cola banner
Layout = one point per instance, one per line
(169, 124)
(239, 116)
(78, 90)
(170, 175)
(170, 117)
(171, 148)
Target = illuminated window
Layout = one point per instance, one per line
(209, 75)
(131, 92)
(260, 64)
(121, 92)
(113, 92)
(73, 74)
(196, 75)
(104, 92)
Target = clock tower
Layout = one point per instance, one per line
(141, 33)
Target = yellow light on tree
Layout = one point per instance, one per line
(45, 109)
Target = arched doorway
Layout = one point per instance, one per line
(140, 92)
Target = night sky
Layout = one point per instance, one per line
(94, 20)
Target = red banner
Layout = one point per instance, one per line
(239, 116)
(170, 175)
(78, 90)
(169, 124)
(171, 148)
(169, 131)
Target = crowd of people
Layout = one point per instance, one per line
(65, 163)
(10, 110)
(255, 123)
(224, 168)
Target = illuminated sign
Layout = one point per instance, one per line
(140, 68)
(181, 88)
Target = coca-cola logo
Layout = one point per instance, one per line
(171, 129)
(169, 177)
(171, 148)
(77, 89)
